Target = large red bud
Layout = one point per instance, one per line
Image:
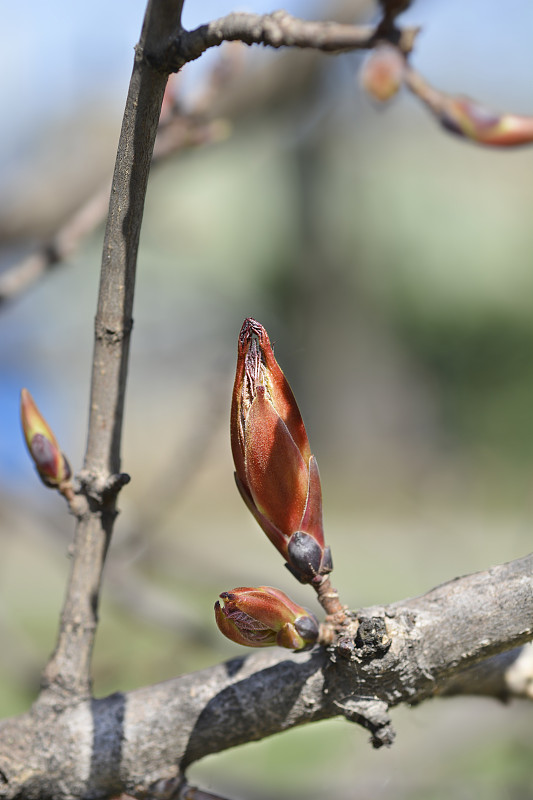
(276, 473)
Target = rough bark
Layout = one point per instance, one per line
(142, 741)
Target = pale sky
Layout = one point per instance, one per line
(56, 54)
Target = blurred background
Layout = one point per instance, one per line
(392, 265)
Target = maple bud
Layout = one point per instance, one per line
(276, 473)
(467, 118)
(383, 72)
(264, 616)
(51, 464)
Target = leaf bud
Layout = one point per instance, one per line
(275, 471)
(382, 72)
(264, 616)
(51, 464)
(467, 118)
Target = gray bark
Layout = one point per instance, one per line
(142, 741)
(67, 675)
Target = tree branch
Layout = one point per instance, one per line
(142, 741)
(83, 221)
(176, 134)
(67, 675)
(280, 29)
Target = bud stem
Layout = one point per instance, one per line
(77, 503)
(328, 597)
(326, 634)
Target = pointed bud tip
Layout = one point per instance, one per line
(51, 464)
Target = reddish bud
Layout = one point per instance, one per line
(265, 616)
(383, 72)
(276, 473)
(51, 464)
(466, 118)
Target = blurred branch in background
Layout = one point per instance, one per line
(178, 130)
(138, 558)
(182, 128)
(504, 676)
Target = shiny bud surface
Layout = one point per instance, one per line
(276, 473)
(265, 616)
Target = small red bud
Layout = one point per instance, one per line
(52, 466)
(265, 616)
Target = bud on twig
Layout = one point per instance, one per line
(51, 464)
(265, 616)
(469, 119)
(383, 72)
(474, 121)
(276, 473)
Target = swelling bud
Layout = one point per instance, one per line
(275, 471)
(264, 616)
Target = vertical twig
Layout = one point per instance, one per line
(67, 675)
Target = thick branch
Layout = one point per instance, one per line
(136, 741)
(67, 675)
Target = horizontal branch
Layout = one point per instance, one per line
(280, 29)
(132, 742)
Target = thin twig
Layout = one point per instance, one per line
(280, 29)
(56, 250)
(66, 677)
